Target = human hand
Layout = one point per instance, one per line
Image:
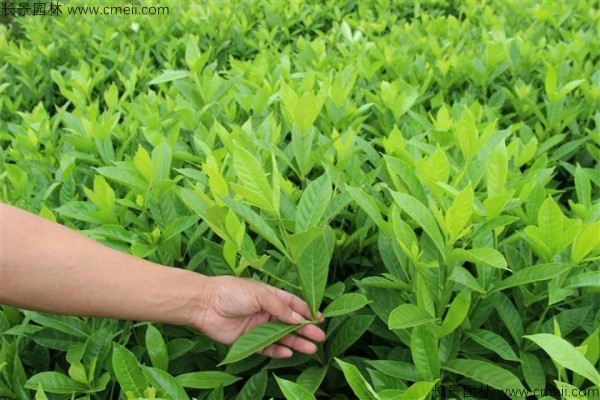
(235, 305)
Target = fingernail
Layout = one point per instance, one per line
(319, 315)
(297, 317)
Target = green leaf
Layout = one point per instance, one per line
(586, 241)
(345, 304)
(459, 213)
(161, 162)
(422, 216)
(536, 273)
(293, 391)
(128, 371)
(311, 378)
(497, 170)
(486, 373)
(157, 350)
(481, 256)
(313, 268)
(257, 223)
(206, 379)
(458, 311)
(55, 382)
(313, 203)
(425, 354)
(534, 373)
(407, 316)
(361, 388)
(460, 275)
(397, 369)
(255, 387)
(257, 339)
(565, 355)
(419, 391)
(367, 203)
(168, 76)
(348, 334)
(494, 342)
(162, 380)
(510, 316)
(252, 175)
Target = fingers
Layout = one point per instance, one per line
(276, 351)
(312, 332)
(286, 346)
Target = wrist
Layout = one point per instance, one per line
(190, 298)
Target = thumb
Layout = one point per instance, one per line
(271, 303)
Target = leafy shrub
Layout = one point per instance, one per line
(425, 173)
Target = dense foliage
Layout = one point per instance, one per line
(425, 172)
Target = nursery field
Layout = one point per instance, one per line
(425, 173)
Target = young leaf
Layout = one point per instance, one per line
(419, 390)
(367, 203)
(168, 76)
(257, 339)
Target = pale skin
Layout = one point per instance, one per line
(48, 267)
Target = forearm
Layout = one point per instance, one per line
(48, 267)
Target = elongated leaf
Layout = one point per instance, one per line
(257, 223)
(407, 316)
(164, 381)
(161, 162)
(157, 350)
(585, 279)
(481, 256)
(257, 339)
(313, 203)
(532, 274)
(533, 371)
(69, 325)
(252, 175)
(345, 304)
(486, 373)
(510, 316)
(422, 217)
(459, 308)
(313, 268)
(168, 76)
(255, 387)
(396, 369)
(367, 203)
(206, 379)
(361, 388)
(55, 382)
(564, 354)
(348, 334)
(425, 354)
(311, 378)
(293, 391)
(494, 342)
(128, 371)
(419, 391)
